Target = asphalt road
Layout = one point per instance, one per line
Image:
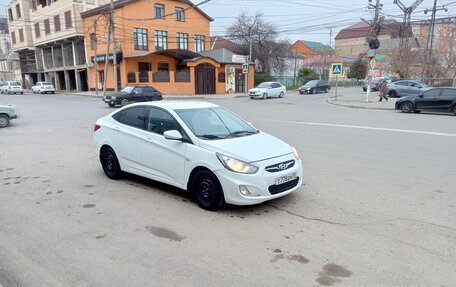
(377, 207)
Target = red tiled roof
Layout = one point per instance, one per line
(362, 29)
(221, 43)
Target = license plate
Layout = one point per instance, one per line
(285, 178)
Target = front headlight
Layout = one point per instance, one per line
(295, 152)
(236, 165)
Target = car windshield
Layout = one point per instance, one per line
(127, 89)
(311, 83)
(15, 84)
(263, 85)
(215, 123)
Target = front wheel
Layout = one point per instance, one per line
(207, 190)
(124, 102)
(406, 107)
(110, 164)
(281, 95)
(265, 96)
(4, 121)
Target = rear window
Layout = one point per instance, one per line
(14, 84)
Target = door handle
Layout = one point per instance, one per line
(116, 129)
(149, 140)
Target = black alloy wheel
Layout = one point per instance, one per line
(406, 107)
(111, 166)
(207, 190)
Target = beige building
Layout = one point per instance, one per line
(48, 35)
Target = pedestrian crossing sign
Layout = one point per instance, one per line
(336, 69)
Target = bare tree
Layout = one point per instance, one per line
(406, 59)
(262, 38)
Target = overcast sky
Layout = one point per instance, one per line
(306, 19)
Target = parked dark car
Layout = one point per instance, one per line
(314, 86)
(404, 88)
(435, 99)
(375, 83)
(133, 94)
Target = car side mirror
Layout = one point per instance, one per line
(421, 96)
(172, 135)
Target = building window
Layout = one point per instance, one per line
(199, 43)
(221, 77)
(161, 40)
(163, 67)
(131, 77)
(143, 68)
(182, 41)
(159, 11)
(140, 38)
(13, 38)
(37, 30)
(57, 23)
(18, 11)
(180, 14)
(10, 14)
(47, 27)
(68, 21)
(93, 41)
(21, 35)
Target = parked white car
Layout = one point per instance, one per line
(11, 87)
(43, 87)
(200, 147)
(267, 90)
(7, 113)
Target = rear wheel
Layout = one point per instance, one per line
(4, 121)
(406, 107)
(112, 105)
(207, 190)
(110, 164)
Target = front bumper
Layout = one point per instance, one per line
(110, 101)
(261, 184)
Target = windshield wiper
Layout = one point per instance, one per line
(211, 137)
(243, 133)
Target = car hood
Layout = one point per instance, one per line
(6, 108)
(252, 148)
(306, 87)
(255, 90)
(108, 96)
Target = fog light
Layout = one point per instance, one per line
(245, 191)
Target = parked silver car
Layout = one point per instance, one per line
(405, 88)
(11, 87)
(267, 90)
(43, 87)
(7, 113)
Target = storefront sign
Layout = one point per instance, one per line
(238, 59)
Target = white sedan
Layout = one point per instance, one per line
(200, 147)
(43, 87)
(11, 87)
(267, 90)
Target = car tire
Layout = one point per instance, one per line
(52, 92)
(265, 96)
(454, 110)
(281, 95)
(302, 93)
(110, 163)
(326, 90)
(4, 121)
(392, 94)
(313, 91)
(124, 102)
(364, 89)
(22, 93)
(207, 190)
(111, 105)
(406, 107)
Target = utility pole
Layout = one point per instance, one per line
(429, 66)
(331, 35)
(106, 60)
(114, 47)
(95, 58)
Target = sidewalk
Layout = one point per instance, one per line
(354, 98)
(92, 94)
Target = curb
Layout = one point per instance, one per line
(336, 103)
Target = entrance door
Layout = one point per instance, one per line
(205, 79)
(240, 81)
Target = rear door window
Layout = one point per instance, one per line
(402, 83)
(432, 93)
(449, 93)
(134, 117)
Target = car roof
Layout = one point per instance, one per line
(179, 105)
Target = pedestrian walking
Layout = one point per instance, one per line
(383, 91)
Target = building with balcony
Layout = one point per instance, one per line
(48, 35)
(9, 60)
(163, 44)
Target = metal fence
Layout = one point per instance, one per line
(441, 82)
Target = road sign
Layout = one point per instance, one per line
(372, 63)
(336, 69)
(245, 68)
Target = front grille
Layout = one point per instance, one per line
(280, 166)
(274, 189)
